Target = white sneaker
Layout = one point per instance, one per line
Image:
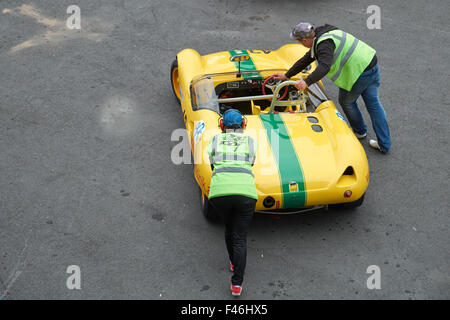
(374, 144)
(360, 136)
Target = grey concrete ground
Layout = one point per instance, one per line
(86, 176)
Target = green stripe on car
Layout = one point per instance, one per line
(289, 165)
(247, 65)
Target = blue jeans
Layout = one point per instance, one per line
(367, 87)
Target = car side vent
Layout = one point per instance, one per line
(349, 171)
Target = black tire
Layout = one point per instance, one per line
(174, 80)
(349, 205)
(207, 209)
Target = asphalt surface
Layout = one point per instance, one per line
(86, 118)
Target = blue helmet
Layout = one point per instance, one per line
(232, 117)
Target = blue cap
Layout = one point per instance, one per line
(232, 117)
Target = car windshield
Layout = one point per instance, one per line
(203, 94)
(214, 92)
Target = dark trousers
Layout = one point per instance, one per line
(237, 212)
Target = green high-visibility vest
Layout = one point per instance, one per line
(233, 155)
(351, 56)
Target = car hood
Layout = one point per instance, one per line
(259, 59)
(300, 151)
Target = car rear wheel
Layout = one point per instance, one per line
(207, 209)
(175, 80)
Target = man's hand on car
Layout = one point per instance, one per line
(301, 85)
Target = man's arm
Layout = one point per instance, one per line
(211, 152)
(253, 146)
(301, 64)
(325, 51)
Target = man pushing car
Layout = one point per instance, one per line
(232, 190)
(352, 65)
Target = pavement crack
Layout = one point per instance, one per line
(17, 270)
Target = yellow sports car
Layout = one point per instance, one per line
(307, 158)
